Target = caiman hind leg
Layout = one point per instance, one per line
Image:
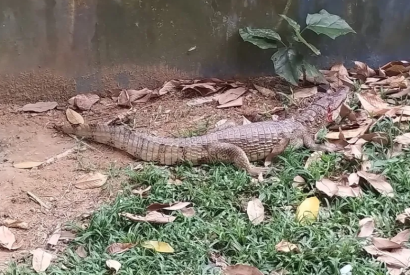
(230, 153)
(310, 143)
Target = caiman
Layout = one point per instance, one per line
(238, 145)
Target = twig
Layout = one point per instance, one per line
(38, 200)
(59, 156)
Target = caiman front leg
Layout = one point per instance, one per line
(230, 153)
(310, 143)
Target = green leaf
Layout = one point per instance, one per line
(328, 24)
(287, 64)
(299, 38)
(264, 33)
(291, 22)
(263, 38)
(312, 72)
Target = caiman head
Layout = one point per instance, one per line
(321, 110)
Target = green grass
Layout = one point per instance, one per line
(219, 193)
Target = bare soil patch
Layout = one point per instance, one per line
(30, 137)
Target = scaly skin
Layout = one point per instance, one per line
(237, 144)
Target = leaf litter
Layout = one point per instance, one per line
(162, 247)
(255, 211)
(91, 181)
(151, 217)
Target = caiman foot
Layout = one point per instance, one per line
(326, 147)
(230, 153)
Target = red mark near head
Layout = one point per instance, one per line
(329, 116)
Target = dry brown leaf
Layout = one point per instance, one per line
(355, 150)
(305, 92)
(113, 265)
(393, 270)
(135, 95)
(338, 76)
(7, 238)
(362, 69)
(366, 227)
(41, 260)
(151, 217)
(340, 69)
(199, 87)
(384, 244)
(346, 111)
(157, 206)
(404, 217)
(373, 250)
(403, 139)
(144, 98)
(10, 223)
(81, 252)
(378, 182)
(84, 102)
(285, 246)
(350, 133)
(73, 117)
(265, 91)
(255, 211)
(241, 269)
(332, 188)
(328, 187)
(401, 237)
(348, 191)
(39, 107)
(168, 87)
(397, 258)
(245, 121)
(177, 206)
(372, 102)
(53, 240)
(372, 79)
(141, 192)
(91, 180)
(395, 68)
(188, 212)
(27, 164)
(400, 94)
(398, 81)
(235, 103)
(231, 95)
(116, 248)
(353, 179)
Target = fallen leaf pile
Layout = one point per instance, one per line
(155, 216)
(393, 252)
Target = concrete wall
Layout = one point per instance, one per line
(51, 49)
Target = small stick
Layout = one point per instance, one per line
(38, 200)
(59, 156)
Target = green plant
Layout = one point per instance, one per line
(289, 61)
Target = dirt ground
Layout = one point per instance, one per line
(30, 137)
